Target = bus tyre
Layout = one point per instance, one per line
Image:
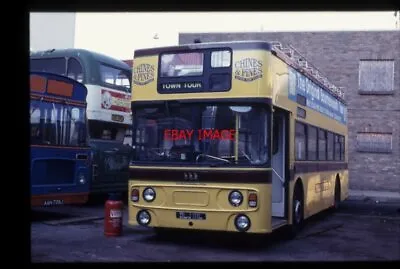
(297, 212)
(337, 200)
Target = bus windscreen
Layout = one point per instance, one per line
(57, 125)
(201, 134)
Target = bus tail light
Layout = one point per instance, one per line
(134, 195)
(252, 199)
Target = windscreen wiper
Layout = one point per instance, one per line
(220, 164)
(224, 161)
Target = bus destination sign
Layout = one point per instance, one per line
(316, 98)
(181, 86)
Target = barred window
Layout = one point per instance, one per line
(374, 142)
(376, 76)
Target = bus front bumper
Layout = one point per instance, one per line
(246, 221)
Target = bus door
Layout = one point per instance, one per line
(279, 130)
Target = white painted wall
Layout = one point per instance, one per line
(52, 30)
(119, 34)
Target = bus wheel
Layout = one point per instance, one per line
(297, 212)
(337, 195)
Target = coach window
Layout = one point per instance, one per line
(117, 79)
(51, 65)
(330, 146)
(337, 148)
(300, 141)
(321, 145)
(75, 70)
(312, 143)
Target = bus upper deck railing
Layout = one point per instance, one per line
(296, 59)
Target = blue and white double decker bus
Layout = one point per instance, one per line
(60, 154)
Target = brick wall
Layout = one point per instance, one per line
(337, 54)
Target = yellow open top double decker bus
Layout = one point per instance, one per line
(235, 136)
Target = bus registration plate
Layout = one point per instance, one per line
(190, 215)
(53, 202)
(118, 118)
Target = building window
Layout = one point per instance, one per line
(374, 142)
(300, 141)
(322, 145)
(376, 76)
(312, 143)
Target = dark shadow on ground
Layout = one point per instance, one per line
(101, 198)
(239, 242)
(38, 215)
(370, 208)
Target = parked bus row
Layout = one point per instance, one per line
(107, 119)
(227, 136)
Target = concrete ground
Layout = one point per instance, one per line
(360, 230)
(377, 196)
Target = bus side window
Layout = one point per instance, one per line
(275, 136)
(337, 148)
(312, 143)
(342, 148)
(75, 70)
(330, 146)
(322, 145)
(300, 141)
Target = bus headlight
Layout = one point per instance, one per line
(82, 179)
(235, 198)
(143, 218)
(149, 194)
(242, 223)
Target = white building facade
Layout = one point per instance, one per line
(52, 30)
